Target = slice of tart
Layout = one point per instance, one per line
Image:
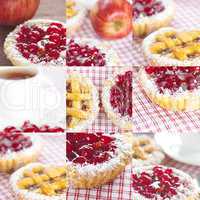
(82, 102)
(90, 52)
(162, 183)
(95, 159)
(173, 47)
(117, 96)
(37, 42)
(37, 181)
(150, 15)
(172, 88)
(17, 149)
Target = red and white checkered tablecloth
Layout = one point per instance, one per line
(53, 152)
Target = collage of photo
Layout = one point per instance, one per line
(99, 100)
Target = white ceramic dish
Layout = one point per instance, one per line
(183, 147)
(36, 98)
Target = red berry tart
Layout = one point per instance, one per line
(159, 182)
(172, 47)
(75, 13)
(96, 158)
(149, 15)
(173, 88)
(17, 149)
(37, 41)
(90, 52)
(37, 181)
(29, 127)
(117, 98)
(82, 102)
(145, 151)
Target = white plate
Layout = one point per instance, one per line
(183, 147)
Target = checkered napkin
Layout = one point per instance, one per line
(53, 153)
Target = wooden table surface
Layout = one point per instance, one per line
(50, 9)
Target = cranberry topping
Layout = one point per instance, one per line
(88, 148)
(28, 127)
(147, 7)
(174, 78)
(121, 94)
(13, 142)
(40, 45)
(161, 182)
(84, 55)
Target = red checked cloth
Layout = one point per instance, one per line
(53, 152)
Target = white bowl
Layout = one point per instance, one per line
(30, 96)
(183, 147)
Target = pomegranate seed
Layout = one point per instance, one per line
(174, 78)
(83, 55)
(39, 45)
(121, 94)
(89, 148)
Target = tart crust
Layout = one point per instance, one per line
(145, 25)
(95, 102)
(146, 151)
(13, 54)
(91, 176)
(111, 57)
(27, 195)
(122, 122)
(159, 60)
(14, 160)
(184, 101)
(179, 173)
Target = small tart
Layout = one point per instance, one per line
(150, 15)
(160, 182)
(28, 127)
(37, 41)
(145, 151)
(75, 13)
(38, 181)
(82, 102)
(90, 52)
(95, 159)
(17, 149)
(117, 98)
(173, 88)
(173, 47)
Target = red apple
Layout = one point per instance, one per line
(13, 12)
(112, 19)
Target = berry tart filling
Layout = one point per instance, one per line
(37, 42)
(145, 151)
(93, 156)
(171, 47)
(175, 88)
(17, 149)
(89, 52)
(117, 98)
(149, 15)
(159, 182)
(37, 181)
(28, 127)
(75, 13)
(82, 102)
